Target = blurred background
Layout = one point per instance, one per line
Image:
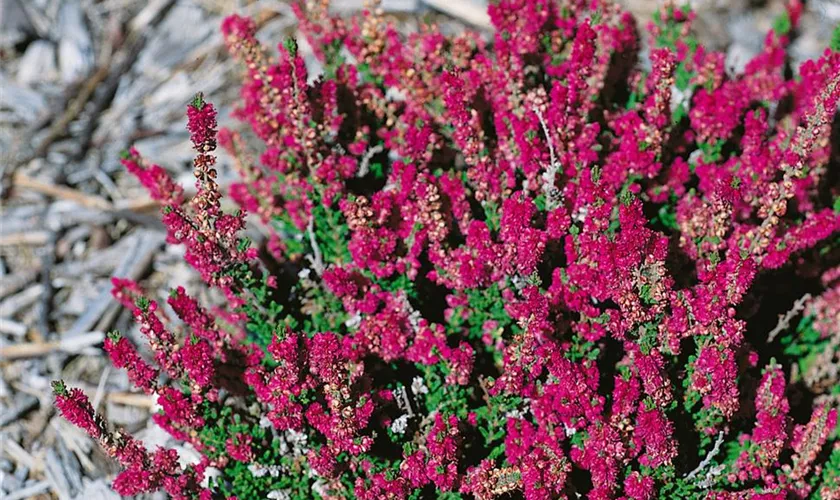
(82, 80)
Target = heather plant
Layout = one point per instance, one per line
(542, 266)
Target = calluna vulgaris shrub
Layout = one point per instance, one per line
(527, 268)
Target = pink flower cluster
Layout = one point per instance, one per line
(527, 267)
(143, 471)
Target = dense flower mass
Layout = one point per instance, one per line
(539, 266)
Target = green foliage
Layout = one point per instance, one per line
(804, 345)
(445, 398)
(58, 388)
(331, 234)
(581, 349)
(829, 480)
(240, 479)
(712, 152)
(198, 101)
(291, 46)
(265, 315)
(333, 59)
(325, 311)
(142, 303)
(492, 419)
(835, 39)
(667, 214)
(782, 24)
(492, 215)
(648, 333)
(483, 305)
(670, 29)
